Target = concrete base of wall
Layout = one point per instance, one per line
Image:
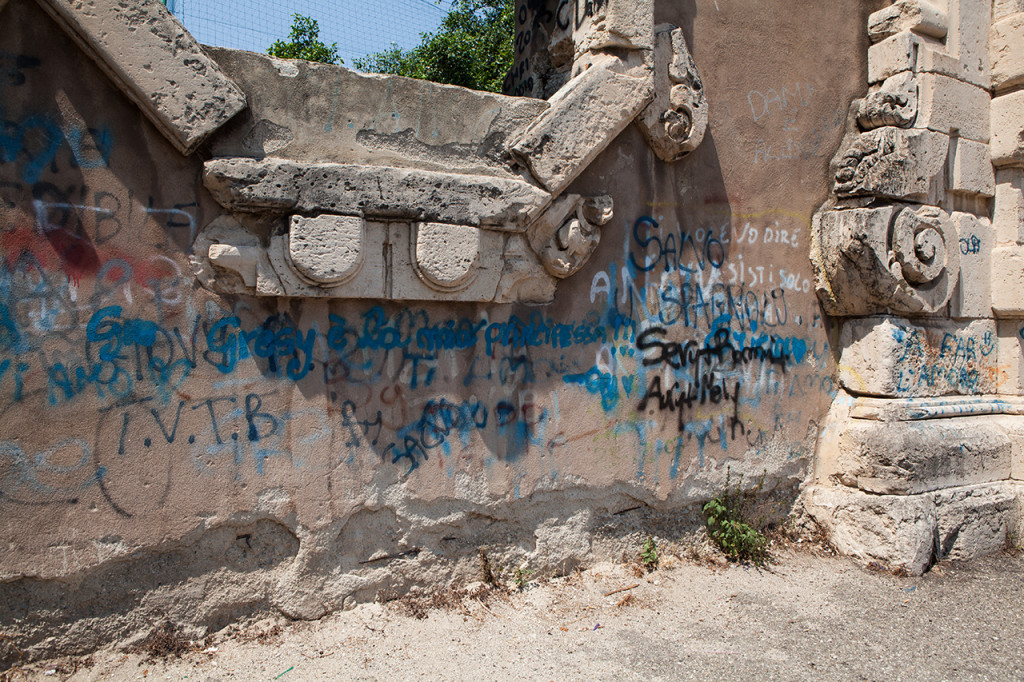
(266, 564)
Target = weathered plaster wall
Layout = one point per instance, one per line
(166, 450)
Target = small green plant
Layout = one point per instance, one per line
(649, 554)
(728, 524)
(522, 577)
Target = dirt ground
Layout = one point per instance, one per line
(807, 617)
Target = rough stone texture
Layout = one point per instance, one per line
(893, 103)
(568, 233)
(929, 68)
(598, 101)
(890, 258)
(946, 105)
(397, 261)
(971, 171)
(973, 296)
(893, 163)
(893, 55)
(1008, 212)
(893, 357)
(913, 409)
(962, 55)
(675, 121)
(914, 531)
(328, 250)
(901, 458)
(273, 186)
(968, 40)
(1008, 271)
(186, 96)
(446, 255)
(615, 25)
(919, 16)
(1010, 377)
(1003, 8)
(897, 530)
(468, 268)
(1007, 50)
(278, 273)
(312, 113)
(976, 520)
(1008, 130)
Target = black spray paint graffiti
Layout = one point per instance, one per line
(710, 369)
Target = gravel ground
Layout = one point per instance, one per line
(808, 617)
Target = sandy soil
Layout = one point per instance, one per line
(808, 617)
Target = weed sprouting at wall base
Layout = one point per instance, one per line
(729, 525)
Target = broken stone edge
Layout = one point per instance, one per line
(156, 63)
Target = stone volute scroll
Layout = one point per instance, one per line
(476, 209)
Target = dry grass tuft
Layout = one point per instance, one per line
(165, 641)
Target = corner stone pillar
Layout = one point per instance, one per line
(918, 259)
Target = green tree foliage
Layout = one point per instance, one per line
(472, 48)
(305, 43)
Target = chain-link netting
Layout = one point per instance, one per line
(359, 27)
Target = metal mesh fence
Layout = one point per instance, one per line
(359, 27)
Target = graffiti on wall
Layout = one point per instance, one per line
(684, 349)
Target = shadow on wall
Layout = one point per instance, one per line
(234, 567)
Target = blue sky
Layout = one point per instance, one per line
(359, 27)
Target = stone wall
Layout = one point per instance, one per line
(331, 345)
(915, 252)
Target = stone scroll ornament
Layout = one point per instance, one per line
(675, 121)
(900, 258)
(414, 231)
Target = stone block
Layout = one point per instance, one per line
(891, 56)
(310, 113)
(972, 171)
(1008, 130)
(156, 63)
(1007, 52)
(968, 40)
(893, 163)
(568, 233)
(1004, 8)
(973, 295)
(913, 531)
(1008, 273)
(1010, 377)
(1008, 212)
(975, 520)
(946, 105)
(896, 358)
(251, 186)
(897, 530)
(909, 457)
(1014, 427)
(615, 25)
(585, 116)
(919, 16)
